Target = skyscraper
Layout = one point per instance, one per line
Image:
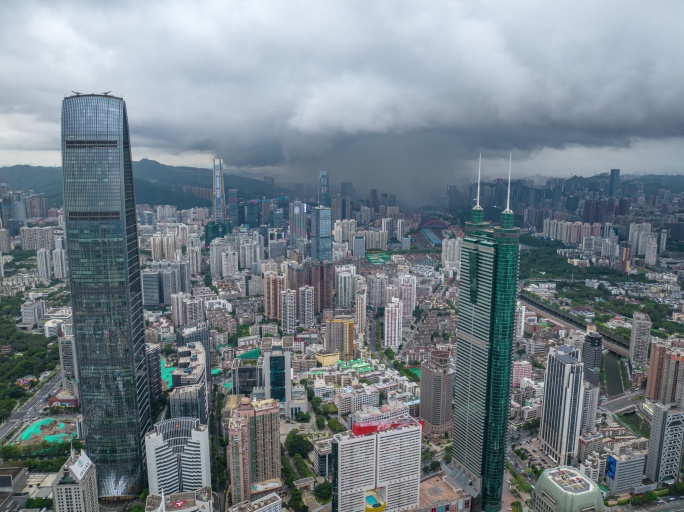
(218, 192)
(393, 323)
(640, 340)
(665, 444)
(592, 352)
(323, 189)
(614, 190)
(561, 419)
(106, 297)
(321, 234)
(486, 324)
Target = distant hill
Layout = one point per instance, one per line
(154, 183)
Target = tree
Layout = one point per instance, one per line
(447, 457)
(296, 443)
(316, 402)
(323, 492)
(320, 422)
(303, 417)
(434, 465)
(335, 425)
(389, 353)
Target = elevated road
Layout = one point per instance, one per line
(611, 340)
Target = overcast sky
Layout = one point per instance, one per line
(401, 95)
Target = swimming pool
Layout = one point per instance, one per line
(372, 501)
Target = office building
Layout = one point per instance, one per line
(592, 352)
(75, 487)
(321, 234)
(323, 189)
(277, 371)
(376, 466)
(563, 398)
(665, 445)
(253, 448)
(178, 456)
(190, 381)
(269, 503)
(297, 222)
(154, 380)
(218, 191)
(339, 337)
(106, 295)
(233, 206)
(436, 391)
(624, 472)
(393, 323)
(640, 340)
(288, 311)
(44, 264)
(489, 278)
(563, 489)
(322, 457)
(359, 246)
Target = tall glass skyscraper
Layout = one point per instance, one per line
(489, 276)
(102, 245)
(321, 234)
(218, 191)
(323, 189)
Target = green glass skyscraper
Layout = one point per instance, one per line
(486, 322)
(102, 245)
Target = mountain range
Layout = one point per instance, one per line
(154, 182)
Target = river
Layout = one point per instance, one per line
(611, 364)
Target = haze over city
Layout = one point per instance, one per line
(373, 92)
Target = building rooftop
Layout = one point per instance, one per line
(437, 489)
(568, 489)
(247, 506)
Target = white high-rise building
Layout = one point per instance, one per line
(665, 444)
(393, 323)
(178, 456)
(377, 463)
(391, 292)
(59, 262)
(306, 306)
(75, 487)
(651, 252)
(360, 312)
(44, 264)
(344, 288)
(288, 311)
(563, 398)
(401, 228)
(589, 408)
(344, 231)
(636, 230)
(195, 259)
(388, 227)
(640, 340)
(451, 254)
(229, 263)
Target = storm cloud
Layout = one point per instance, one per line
(391, 94)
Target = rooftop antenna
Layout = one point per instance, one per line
(508, 199)
(479, 169)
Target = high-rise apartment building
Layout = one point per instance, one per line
(306, 306)
(253, 447)
(323, 189)
(106, 295)
(269, 503)
(665, 445)
(486, 329)
(288, 311)
(75, 488)
(154, 380)
(376, 465)
(178, 456)
(360, 310)
(321, 234)
(44, 264)
(589, 407)
(378, 290)
(218, 191)
(436, 392)
(339, 337)
(59, 263)
(393, 323)
(69, 365)
(665, 382)
(640, 340)
(563, 398)
(274, 283)
(407, 294)
(521, 370)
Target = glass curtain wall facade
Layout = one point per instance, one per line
(219, 191)
(489, 276)
(321, 234)
(102, 245)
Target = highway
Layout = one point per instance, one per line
(31, 409)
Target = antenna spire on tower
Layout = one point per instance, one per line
(479, 170)
(508, 199)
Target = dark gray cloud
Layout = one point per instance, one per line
(397, 94)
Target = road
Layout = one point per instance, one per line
(622, 402)
(31, 409)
